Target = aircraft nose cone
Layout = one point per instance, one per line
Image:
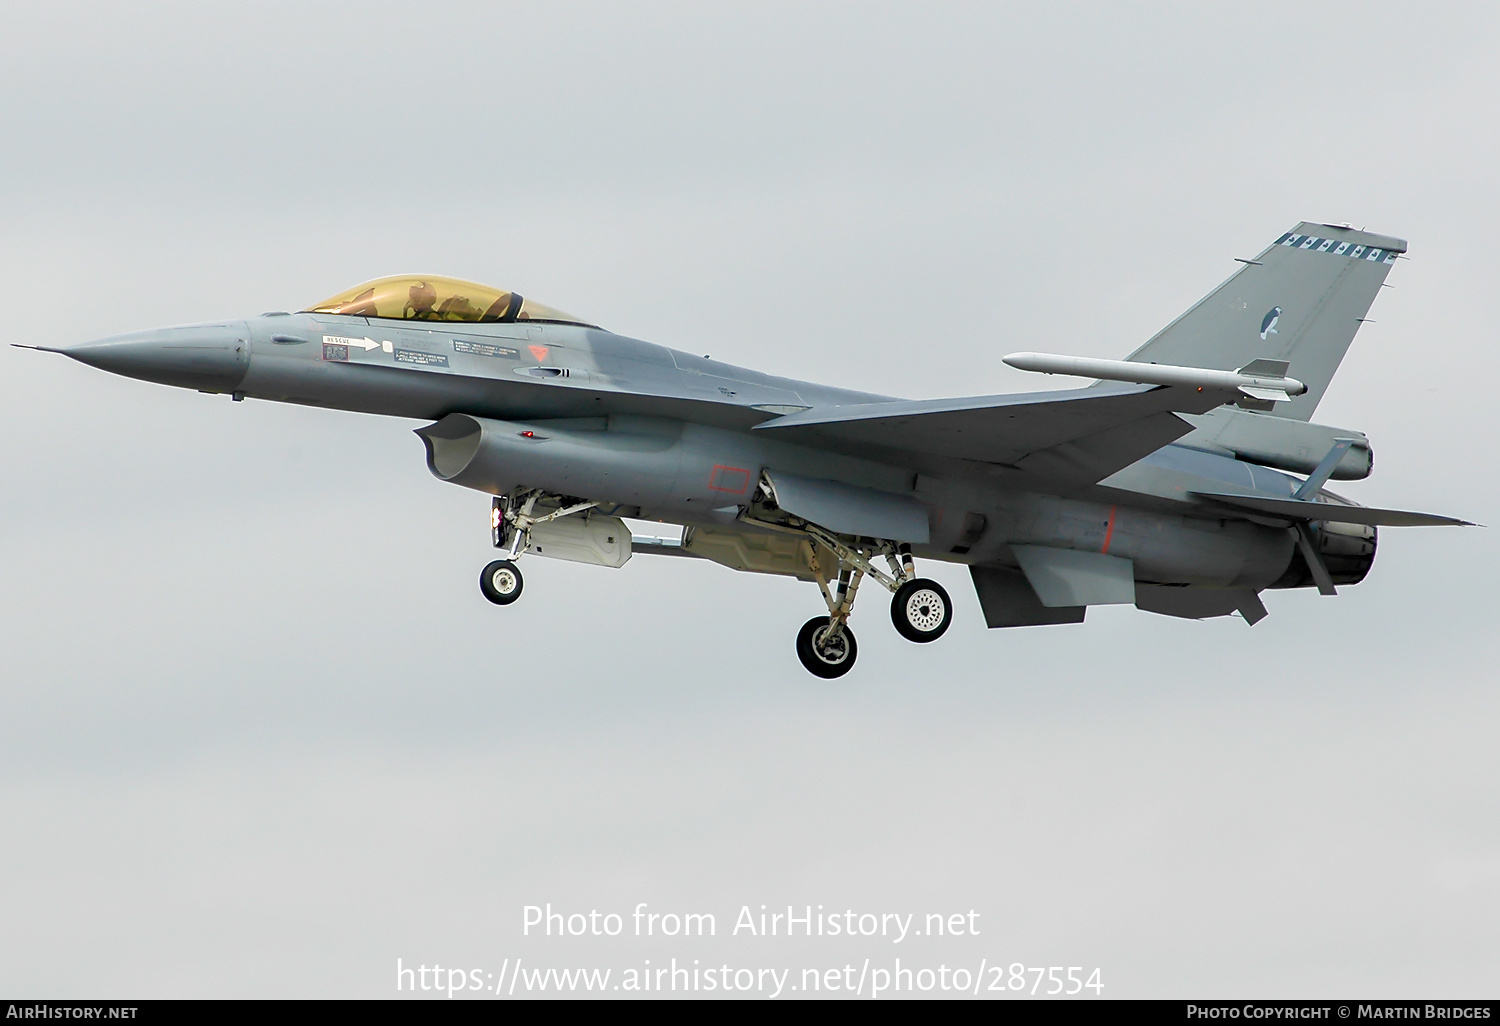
(210, 357)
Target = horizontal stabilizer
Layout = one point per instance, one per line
(1306, 509)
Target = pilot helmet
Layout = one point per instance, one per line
(421, 298)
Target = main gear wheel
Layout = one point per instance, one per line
(826, 652)
(921, 610)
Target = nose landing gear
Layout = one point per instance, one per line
(501, 582)
(511, 519)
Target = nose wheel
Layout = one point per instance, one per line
(501, 582)
(826, 651)
(921, 610)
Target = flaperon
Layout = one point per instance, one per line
(1169, 483)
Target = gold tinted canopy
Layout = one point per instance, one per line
(430, 298)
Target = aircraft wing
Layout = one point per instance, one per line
(1073, 436)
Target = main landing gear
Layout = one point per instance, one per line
(920, 608)
(511, 520)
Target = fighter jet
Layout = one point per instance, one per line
(1186, 479)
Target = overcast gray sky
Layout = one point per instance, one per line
(261, 736)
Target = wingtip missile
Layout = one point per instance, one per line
(1256, 379)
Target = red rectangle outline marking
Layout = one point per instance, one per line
(715, 475)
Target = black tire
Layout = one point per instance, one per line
(501, 582)
(921, 610)
(825, 660)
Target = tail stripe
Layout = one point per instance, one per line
(1337, 248)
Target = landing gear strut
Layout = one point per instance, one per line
(511, 519)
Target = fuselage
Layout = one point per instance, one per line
(665, 435)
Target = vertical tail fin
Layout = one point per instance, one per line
(1300, 301)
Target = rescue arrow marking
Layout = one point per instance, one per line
(364, 343)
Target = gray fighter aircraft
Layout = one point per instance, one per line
(1167, 483)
